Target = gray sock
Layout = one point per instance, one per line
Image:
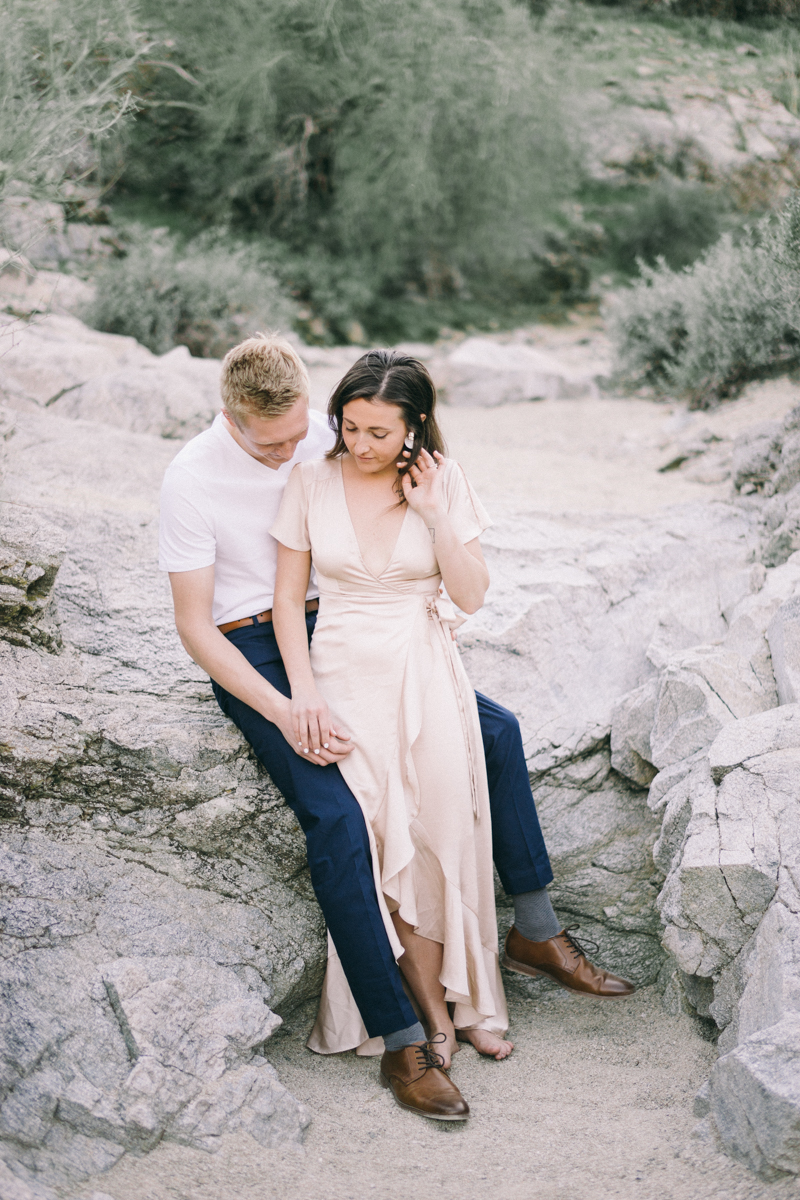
(404, 1037)
(534, 916)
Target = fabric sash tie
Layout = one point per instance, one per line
(442, 613)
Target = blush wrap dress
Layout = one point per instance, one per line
(384, 660)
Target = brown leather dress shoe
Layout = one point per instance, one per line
(419, 1084)
(562, 959)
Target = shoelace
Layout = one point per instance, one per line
(426, 1056)
(577, 947)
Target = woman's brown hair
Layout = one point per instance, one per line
(395, 379)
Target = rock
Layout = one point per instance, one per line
(770, 973)
(574, 609)
(137, 829)
(711, 134)
(20, 1185)
(765, 733)
(766, 457)
(700, 692)
(37, 227)
(599, 833)
(755, 1099)
(756, 453)
(90, 242)
(24, 291)
(114, 1055)
(784, 534)
(173, 396)
(51, 356)
(60, 364)
(486, 373)
(631, 724)
(31, 551)
(783, 634)
(704, 926)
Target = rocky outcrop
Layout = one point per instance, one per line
(721, 724)
(40, 230)
(727, 793)
(766, 466)
(485, 373)
(691, 128)
(579, 613)
(159, 911)
(59, 364)
(157, 908)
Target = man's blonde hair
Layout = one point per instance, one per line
(262, 377)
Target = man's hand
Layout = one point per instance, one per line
(339, 744)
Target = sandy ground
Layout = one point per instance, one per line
(598, 455)
(596, 1101)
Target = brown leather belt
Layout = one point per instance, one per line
(260, 618)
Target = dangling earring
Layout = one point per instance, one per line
(409, 442)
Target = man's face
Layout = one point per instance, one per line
(271, 440)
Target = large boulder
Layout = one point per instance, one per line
(486, 373)
(158, 908)
(755, 1099)
(58, 363)
(581, 610)
(577, 613)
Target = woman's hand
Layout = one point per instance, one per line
(427, 497)
(311, 722)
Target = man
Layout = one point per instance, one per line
(221, 494)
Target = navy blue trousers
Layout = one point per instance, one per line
(339, 856)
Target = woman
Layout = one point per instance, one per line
(386, 519)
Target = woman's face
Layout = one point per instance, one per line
(374, 432)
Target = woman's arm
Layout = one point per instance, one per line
(464, 572)
(310, 719)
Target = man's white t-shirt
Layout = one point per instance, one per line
(217, 506)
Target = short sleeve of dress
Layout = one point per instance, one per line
(467, 514)
(291, 525)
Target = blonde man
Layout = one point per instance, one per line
(220, 497)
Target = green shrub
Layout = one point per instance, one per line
(63, 85)
(207, 295)
(733, 316)
(736, 10)
(666, 220)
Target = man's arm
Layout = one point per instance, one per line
(192, 596)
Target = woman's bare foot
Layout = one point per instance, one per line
(486, 1043)
(444, 1042)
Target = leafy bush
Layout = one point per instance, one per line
(400, 153)
(666, 220)
(737, 10)
(207, 295)
(732, 316)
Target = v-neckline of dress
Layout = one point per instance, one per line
(391, 558)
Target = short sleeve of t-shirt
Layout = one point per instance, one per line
(467, 515)
(291, 526)
(187, 538)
